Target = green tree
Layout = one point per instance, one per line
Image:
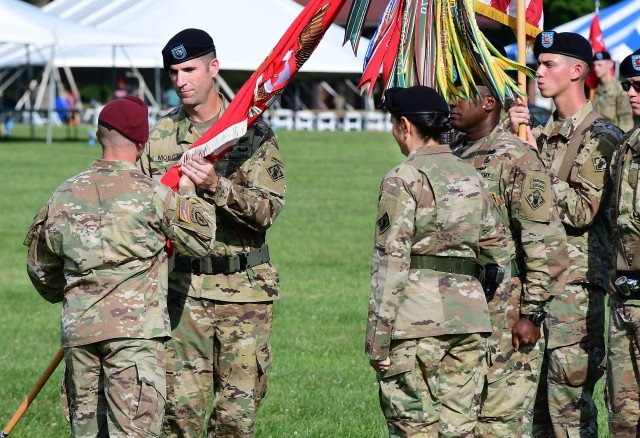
(557, 12)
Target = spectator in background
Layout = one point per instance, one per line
(609, 99)
(121, 89)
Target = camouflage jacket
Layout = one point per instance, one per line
(98, 246)
(625, 172)
(432, 204)
(583, 200)
(249, 197)
(521, 188)
(612, 102)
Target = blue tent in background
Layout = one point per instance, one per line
(620, 24)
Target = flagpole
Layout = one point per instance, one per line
(521, 35)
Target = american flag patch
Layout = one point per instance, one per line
(185, 211)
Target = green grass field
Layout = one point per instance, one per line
(320, 384)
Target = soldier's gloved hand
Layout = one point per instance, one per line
(524, 333)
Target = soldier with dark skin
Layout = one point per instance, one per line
(520, 184)
(576, 146)
(623, 354)
(99, 246)
(221, 307)
(428, 317)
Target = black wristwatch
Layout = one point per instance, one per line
(536, 318)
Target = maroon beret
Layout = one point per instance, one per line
(129, 116)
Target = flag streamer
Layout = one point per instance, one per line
(265, 84)
(432, 43)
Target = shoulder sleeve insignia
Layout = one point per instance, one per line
(383, 223)
(185, 210)
(199, 218)
(599, 163)
(275, 172)
(535, 199)
(537, 184)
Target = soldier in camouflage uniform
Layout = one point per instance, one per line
(428, 317)
(623, 381)
(576, 146)
(98, 245)
(609, 99)
(520, 185)
(220, 307)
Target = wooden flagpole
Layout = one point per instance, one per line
(521, 35)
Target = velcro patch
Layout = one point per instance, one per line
(198, 218)
(537, 184)
(599, 163)
(275, 172)
(535, 199)
(185, 210)
(383, 223)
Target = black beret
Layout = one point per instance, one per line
(186, 45)
(564, 43)
(630, 66)
(601, 56)
(414, 100)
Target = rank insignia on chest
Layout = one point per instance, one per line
(599, 163)
(185, 210)
(535, 199)
(383, 223)
(275, 172)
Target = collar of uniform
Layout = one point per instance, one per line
(431, 150)
(185, 131)
(112, 164)
(570, 124)
(633, 141)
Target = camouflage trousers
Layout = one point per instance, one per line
(506, 407)
(115, 388)
(221, 348)
(623, 365)
(433, 385)
(564, 404)
(509, 389)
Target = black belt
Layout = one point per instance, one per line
(222, 264)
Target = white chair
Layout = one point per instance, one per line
(374, 121)
(282, 118)
(388, 126)
(303, 120)
(326, 121)
(352, 121)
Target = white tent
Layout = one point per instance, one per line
(620, 24)
(244, 32)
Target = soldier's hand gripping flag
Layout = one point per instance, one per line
(432, 43)
(264, 85)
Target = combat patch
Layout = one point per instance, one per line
(185, 210)
(594, 171)
(599, 163)
(383, 223)
(276, 172)
(198, 218)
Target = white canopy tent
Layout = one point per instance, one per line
(244, 32)
(24, 28)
